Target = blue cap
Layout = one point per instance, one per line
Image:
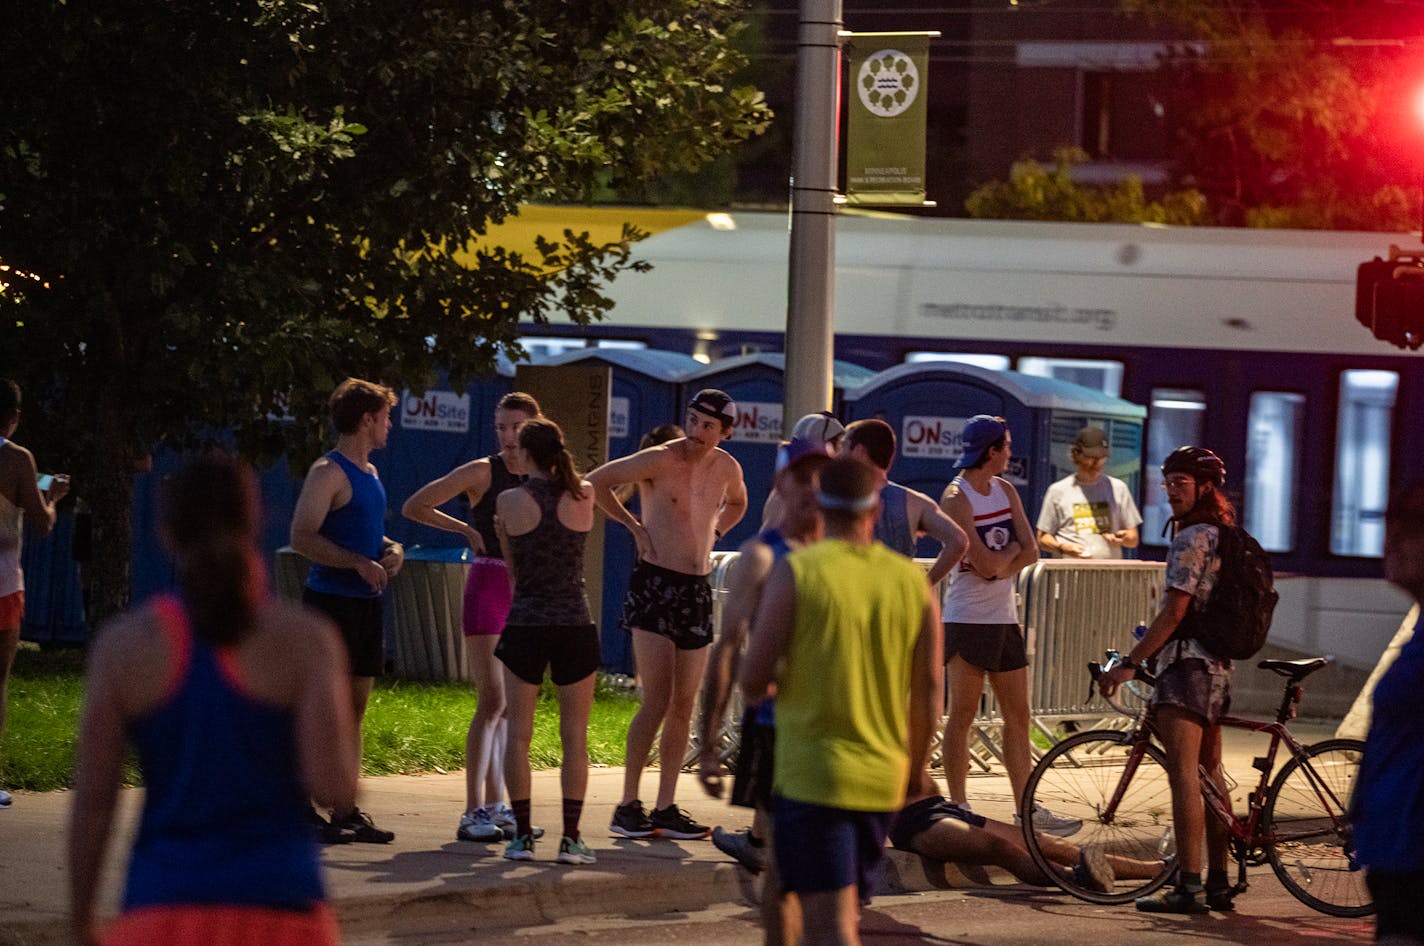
(979, 433)
(798, 449)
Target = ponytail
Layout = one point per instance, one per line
(542, 439)
(210, 520)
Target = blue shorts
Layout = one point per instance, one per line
(821, 850)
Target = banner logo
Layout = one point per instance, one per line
(888, 83)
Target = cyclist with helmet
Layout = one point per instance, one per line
(1193, 685)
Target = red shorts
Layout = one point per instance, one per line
(223, 926)
(12, 609)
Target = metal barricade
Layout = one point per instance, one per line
(1072, 612)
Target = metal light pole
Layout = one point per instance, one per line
(810, 313)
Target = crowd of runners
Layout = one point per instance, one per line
(837, 640)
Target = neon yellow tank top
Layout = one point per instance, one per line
(842, 696)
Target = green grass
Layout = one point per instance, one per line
(410, 726)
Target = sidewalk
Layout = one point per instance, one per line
(426, 880)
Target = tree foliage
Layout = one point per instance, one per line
(1302, 113)
(230, 206)
(1035, 192)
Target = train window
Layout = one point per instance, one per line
(992, 362)
(547, 346)
(620, 343)
(1173, 418)
(1274, 430)
(1362, 435)
(1105, 376)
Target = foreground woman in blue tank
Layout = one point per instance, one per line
(543, 525)
(239, 710)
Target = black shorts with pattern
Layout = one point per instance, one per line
(671, 604)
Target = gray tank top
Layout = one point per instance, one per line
(892, 527)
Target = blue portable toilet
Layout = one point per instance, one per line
(432, 434)
(928, 403)
(646, 394)
(757, 384)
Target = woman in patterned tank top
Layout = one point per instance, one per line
(543, 525)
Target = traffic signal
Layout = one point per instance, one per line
(1389, 300)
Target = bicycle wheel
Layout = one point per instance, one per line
(1126, 814)
(1306, 829)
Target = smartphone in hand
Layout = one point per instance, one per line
(46, 480)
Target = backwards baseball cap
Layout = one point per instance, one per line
(821, 426)
(979, 434)
(800, 450)
(715, 404)
(1092, 442)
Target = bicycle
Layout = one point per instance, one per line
(1115, 781)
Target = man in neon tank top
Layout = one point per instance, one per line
(21, 501)
(850, 635)
(338, 526)
(982, 637)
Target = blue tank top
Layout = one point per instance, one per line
(892, 526)
(358, 526)
(776, 541)
(224, 813)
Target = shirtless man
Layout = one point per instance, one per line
(25, 496)
(691, 493)
(338, 527)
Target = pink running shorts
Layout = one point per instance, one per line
(487, 597)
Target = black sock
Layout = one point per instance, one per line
(1216, 878)
(755, 841)
(573, 810)
(520, 807)
(1189, 881)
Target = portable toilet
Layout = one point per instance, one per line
(646, 394)
(928, 404)
(432, 433)
(756, 383)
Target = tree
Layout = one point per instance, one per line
(1034, 192)
(227, 207)
(1301, 117)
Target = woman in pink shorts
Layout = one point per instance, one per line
(487, 599)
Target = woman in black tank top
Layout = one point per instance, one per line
(543, 525)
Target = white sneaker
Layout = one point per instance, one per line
(503, 817)
(1047, 822)
(477, 826)
(5, 798)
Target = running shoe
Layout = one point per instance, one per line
(673, 822)
(503, 817)
(328, 833)
(631, 821)
(363, 828)
(738, 846)
(575, 852)
(478, 826)
(1176, 900)
(6, 799)
(1046, 822)
(520, 849)
(1093, 870)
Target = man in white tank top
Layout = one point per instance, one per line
(23, 492)
(982, 636)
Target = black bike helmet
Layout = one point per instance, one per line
(1197, 462)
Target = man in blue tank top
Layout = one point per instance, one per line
(905, 514)
(338, 526)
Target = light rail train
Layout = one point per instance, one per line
(1242, 340)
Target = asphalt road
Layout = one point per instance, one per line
(1011, 916)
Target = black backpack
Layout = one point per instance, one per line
(1236, 618)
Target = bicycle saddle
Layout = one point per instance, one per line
(1295, 669)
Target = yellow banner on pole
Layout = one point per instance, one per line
(885, 130)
